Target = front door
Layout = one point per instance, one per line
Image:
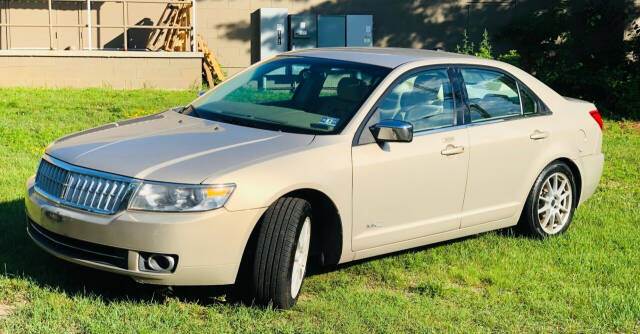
(403, 191)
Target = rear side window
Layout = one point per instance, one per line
(530, 104)
(492, 95)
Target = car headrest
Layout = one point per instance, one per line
(351, 89)
(429, 82)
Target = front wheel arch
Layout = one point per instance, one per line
(326, 231)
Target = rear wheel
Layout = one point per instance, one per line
(551, 202)
(282, 252)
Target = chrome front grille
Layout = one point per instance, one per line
(82, 188)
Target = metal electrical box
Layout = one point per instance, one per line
(359, 30)
(273, 32)
(303, 33)
(331, 31)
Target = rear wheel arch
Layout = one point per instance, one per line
(530, 221)
(577, 176)
(575, 170)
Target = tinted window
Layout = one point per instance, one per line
(295, 94)
(491, 95)
(529, 102)
(423, 99)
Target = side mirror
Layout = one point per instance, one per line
(392, 131)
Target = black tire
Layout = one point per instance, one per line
(529, 223)
(275, 251)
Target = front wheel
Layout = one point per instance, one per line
(282, 251)
(551, 202)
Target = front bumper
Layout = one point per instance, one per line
(209, 245)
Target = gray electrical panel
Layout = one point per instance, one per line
(303, 32)
(359, 30)
(331, 31)
(272, 30)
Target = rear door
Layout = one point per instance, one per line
(507, 130)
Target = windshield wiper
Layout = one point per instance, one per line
(260, 119)
(190, 110)
(269, 120)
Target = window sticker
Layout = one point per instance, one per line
(330, 121)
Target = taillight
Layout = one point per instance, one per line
(596, 116)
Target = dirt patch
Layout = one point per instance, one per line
(8, 307)
(5, 310)
(629, 125)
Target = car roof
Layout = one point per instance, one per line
(386, 57)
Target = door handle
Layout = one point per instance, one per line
(452, 149)
(537, 135)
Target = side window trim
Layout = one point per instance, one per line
(520, 98)
(545, 111)
(452, 76)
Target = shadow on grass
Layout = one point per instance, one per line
(509, 232)
(21, 258)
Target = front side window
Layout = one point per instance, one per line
(292, 94)
(492, 95)
(423, 99)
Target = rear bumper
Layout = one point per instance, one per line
(591, 172)
(209, 245)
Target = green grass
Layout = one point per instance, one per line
(587, 280)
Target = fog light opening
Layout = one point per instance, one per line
(158, 262)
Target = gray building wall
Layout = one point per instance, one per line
(226, 24)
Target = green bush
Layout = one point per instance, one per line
(579, 49)
(485, 50)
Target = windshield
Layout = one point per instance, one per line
(292, 94)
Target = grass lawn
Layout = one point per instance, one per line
(587, 280)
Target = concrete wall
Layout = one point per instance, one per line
(35, 12)
(113, 69)
(226, 24)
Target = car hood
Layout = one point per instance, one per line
(171, 147)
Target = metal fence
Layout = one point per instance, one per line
(125, 24)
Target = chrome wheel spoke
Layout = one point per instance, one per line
(300, 258)
(546, 219)
(563, 185)
(544, 209)
(558, 217)
(554, 203)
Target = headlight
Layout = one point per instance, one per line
(177, 198)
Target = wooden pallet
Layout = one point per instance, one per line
(210, 63)
(166, 39)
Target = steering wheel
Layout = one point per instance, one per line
(479, 110)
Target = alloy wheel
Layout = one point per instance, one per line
(554, 203)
